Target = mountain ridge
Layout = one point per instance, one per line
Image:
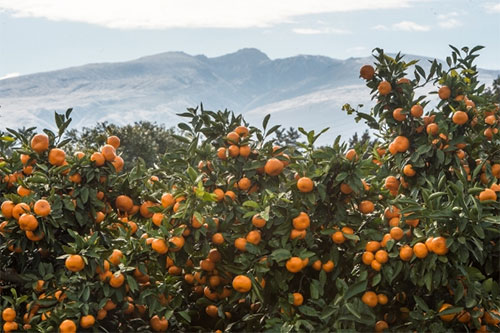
(303, 90)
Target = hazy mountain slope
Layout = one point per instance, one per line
(304, 90)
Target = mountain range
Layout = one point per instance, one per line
(303, 90)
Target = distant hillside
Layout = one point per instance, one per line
(304, 90)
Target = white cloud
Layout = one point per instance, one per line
(9, 75)
(492, 7)
(410, 26)
(380, 27)
(448, 21)
(162, 14)
(311, 31)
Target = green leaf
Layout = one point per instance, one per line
(352, 310)
(308, 311)
(356, 289)
(281, 255)
(250, 203)
(420, 302)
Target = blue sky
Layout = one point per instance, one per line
(42, 35)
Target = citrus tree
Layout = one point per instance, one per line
(230, 232)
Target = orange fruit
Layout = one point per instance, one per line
(328, 266)
(144, 209)
(382, 256)
(57, 156)
(6, 208)
(300, 234)
(460, 117)
(375, 265)
(98, 159)
(273, 167)
(487, 194)
(381, 325)
(245, 151)
(221, 153)
(157, 219)
(233, 150)
(87, 321)
(298, 299)
(242, 284)
(382, 299)
(432, 129)
(159, 245)
(428, 243)
(366, 207)
(42, 208)
(75, 263)
(384, 88)
(398, 114)
(117, 280)
(417, 111)
(294, 264)
(409, 171)
(118, 163)
(10, 326)
(167, 200)
(464, 317)
(351, 155)
(406, 253)
(157, 324)
(367, 72)
(301, 222)
(67, 326)
(219, 194)
(34, 237)
(346, 189)
(420, 250)
(23, 191)
(372, 246)
(218, 238)
(317, 265)
(124, 203)
(233, 137)
(212, 310)
(115, 257)
(305, 184)
(401, 144)
(9, 314)
(394, 222)
(240, 243)
(258, 221)
(396, 233)
(448, 317)
(242, 131)
(108, 152)
(244, 184)
(338, 237)
(439, 246)
(101, 314)
(489, 319)
(230, 194)
(178, 242)
(367, 257)
(114, 141)
(253, 237)
(28, 222)
(444, 92)
(40, 143)
(370, 299)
